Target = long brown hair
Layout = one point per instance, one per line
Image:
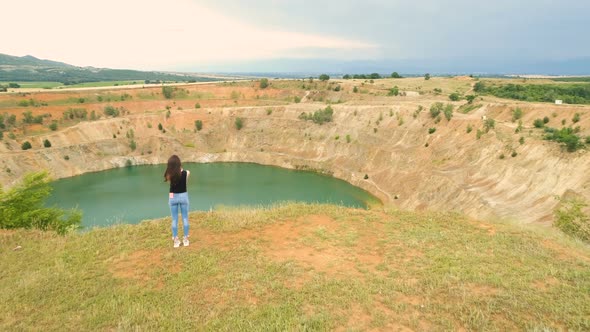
(172, 173)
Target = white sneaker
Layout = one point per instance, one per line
(176, 242)
(185, 241)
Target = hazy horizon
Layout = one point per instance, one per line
(544, 37)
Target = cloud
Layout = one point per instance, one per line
(154, 34)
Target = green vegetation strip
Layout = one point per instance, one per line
(297, 267)
(569, 93)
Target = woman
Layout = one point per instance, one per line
(177, 197)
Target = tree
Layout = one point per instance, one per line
(26, 145)
(46, 143)
(395, 75)
(264, 83)
(470, 98)
(427, 76)
(167, 91)
(239, 123)
(13, 85)
(23, 206)
(375, 76)
(346, 77)
(324, 77)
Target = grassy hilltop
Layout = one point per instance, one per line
(297, 267)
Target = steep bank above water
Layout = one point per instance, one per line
(378, 138)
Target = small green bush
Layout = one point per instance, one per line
(469, 128)
(431, 130)
(239, 123)
(488, 124)
(571, 220)
(448, 111)
(199, 125)
(435, 109)
(168, 91)
(46, 143)
(546, 120)
(197, 106)
(454, 96)
(53, 126)
(264, 83)
(26, 145)
(576, 118)
(516, 114)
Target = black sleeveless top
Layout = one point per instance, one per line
(180, 186)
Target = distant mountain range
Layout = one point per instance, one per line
(29, 68)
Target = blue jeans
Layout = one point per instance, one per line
(176, 202)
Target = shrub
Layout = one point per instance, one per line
(199, 125)
(264, 83)
(297, 99)
(393, 91)
(1, 135)
(514, 154)
(435, 109)
(565, 136)
(538, 123)
(431, 130)
(479, 134)
(111, 111)
(576, 118)
(545, 120)
(355, 89)
(454, 96)
(319, 116)
(448, 111)
(395, 75)
(469, 128)
(324, 77)
(519, 127)
(197, 106)
(427, 76)
(502, 156)
(46, 143)
(337, 88)
(132, 145)
(521, 140)
(53, 126)
(160, 126)
(168, 91)
(347, 138)
(23, 206)
(26, 145)
(470, 98)
(239, 123)
(488, 124)
(571, 220)
(66, 157)
(269, 111)
(366, 177)
(516, 114)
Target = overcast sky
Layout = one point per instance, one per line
(201, 34)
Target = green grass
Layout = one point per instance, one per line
(297, 267)
(39, 85)
(103, 83)
(466, 108)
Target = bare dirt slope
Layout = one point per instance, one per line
(385, 138)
